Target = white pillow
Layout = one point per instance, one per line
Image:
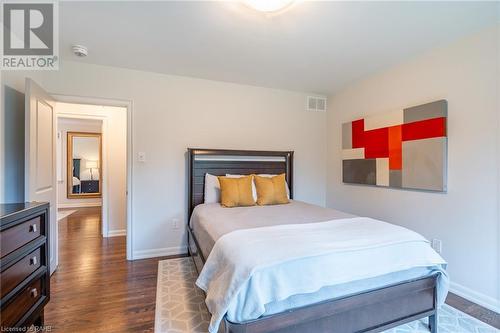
(212, 189)
(254, 189)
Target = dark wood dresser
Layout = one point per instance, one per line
(24, 264)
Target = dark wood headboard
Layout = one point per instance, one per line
(219, 162)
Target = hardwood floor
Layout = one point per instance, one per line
(95, 289)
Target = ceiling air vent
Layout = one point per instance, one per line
(315, 103)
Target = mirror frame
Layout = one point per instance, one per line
(69, 165)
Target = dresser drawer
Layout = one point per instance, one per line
(21, 304)
(15, 237)
(16, 273)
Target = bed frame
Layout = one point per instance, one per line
(369, 311)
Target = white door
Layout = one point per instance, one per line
(40, 163)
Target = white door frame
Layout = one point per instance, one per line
(128, 106)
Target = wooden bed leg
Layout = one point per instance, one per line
(433, 323)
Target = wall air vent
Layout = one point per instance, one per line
(315, 103)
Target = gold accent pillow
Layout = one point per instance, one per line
(236, 192)
(271, 190)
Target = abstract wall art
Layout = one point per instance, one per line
(405, 148)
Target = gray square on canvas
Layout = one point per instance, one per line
(424, 164)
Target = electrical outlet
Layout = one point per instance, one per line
(437, 245)
(175, 223)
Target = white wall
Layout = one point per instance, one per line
(466, 218)
(114, 157)
(65, 125)
(173, 113)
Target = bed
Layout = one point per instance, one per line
(369, 305)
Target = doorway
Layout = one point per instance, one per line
(92, 166)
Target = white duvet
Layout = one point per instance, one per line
(250, 268)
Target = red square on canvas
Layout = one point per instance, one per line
(377, 143)
(358, 133)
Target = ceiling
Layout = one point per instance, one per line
(314, 46)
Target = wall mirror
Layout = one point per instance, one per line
(84, 165)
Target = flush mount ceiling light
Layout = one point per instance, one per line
(268, 6)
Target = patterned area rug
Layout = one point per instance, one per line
(180, 306)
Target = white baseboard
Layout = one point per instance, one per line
(79, 205)
(162, 252)
(475, 297)
(115, 233)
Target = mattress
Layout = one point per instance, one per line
(211, 221)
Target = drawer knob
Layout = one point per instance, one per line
(33, 261)
(33, 293)
(33, 228)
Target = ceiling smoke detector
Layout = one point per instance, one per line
(80, 50)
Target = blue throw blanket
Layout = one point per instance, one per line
(250, 268)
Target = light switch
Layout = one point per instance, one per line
(141, 156)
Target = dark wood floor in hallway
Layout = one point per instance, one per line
(95, 289)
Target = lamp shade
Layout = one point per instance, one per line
(91, 164)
